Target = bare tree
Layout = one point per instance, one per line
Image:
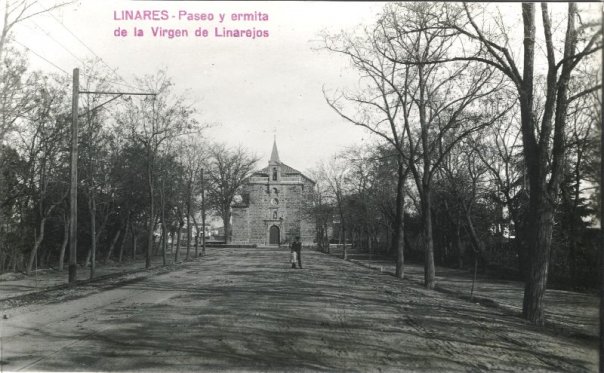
(318, 209)
(14, 100)
(96, 140)
(465, 174)
(193, 153)
(44, 136)
(17, 11)
(439, 104)
(152, 121)
(499, 148)
(382, 105)
(334, 172)
(229, 168)
(543, 139)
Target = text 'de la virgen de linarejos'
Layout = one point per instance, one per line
(173, 24)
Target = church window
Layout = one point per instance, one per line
(275, 174)
(274, 214)
(275, 190)
(274, 201)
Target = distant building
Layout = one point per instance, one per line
(271, 210)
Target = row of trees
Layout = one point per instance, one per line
(145, 172)
(478, 140)
(485, 140)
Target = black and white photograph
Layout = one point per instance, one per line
(300, 186)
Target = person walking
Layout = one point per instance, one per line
(293, 257)
(297, 248)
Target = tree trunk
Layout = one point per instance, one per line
(112, 245)
(343, 233)
(151, 225)
(460, 248)
(320, 239)
(92, 235)
(543, 194)
(534, 291)
(400, 257)
(327, 239)
(34, 251)
(389, 239)
(65, 241)
(572, 254)
(151, 217)
(189, 202)
(203, 215)
(95, 236)
(370, 246)
(172, 242)
(196, 236)
(38, 242)
(155, 247)
(176, 255)
(120, 254)
(162, 203)
(429, 268)
(134, 239)
(164, 242)
(540, 215)
(476, 241)
(203, 236)
(226, 223)
(92, 252)
(121, 251)
(188, 236)
(399, 234)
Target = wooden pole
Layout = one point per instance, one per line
(73, 196)
(601, 236)
(203, 215)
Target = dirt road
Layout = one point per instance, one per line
(245, 310)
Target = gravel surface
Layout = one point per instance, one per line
(247, 310)
(567, 311)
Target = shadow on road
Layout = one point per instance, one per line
(249, 311)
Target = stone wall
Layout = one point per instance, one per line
(240, 226)
(279, 203)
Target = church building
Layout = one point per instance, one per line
(272, 207)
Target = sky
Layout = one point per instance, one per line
(249, 90)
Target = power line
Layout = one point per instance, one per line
(72, 54)
(53, 64)
(77, 58)
(82, 61)
(57, 42)
(112, 81)
(124, 84)
(86, 46)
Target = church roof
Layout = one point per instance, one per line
(285, 169)
(274, 154)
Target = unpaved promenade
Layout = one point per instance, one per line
(245, 310)
(568, 311)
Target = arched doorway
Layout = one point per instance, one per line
(273, 235)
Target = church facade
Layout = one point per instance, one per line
(272, 209)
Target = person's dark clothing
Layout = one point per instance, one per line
(297, 247)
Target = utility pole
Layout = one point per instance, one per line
(203, 215)
(73, 193)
